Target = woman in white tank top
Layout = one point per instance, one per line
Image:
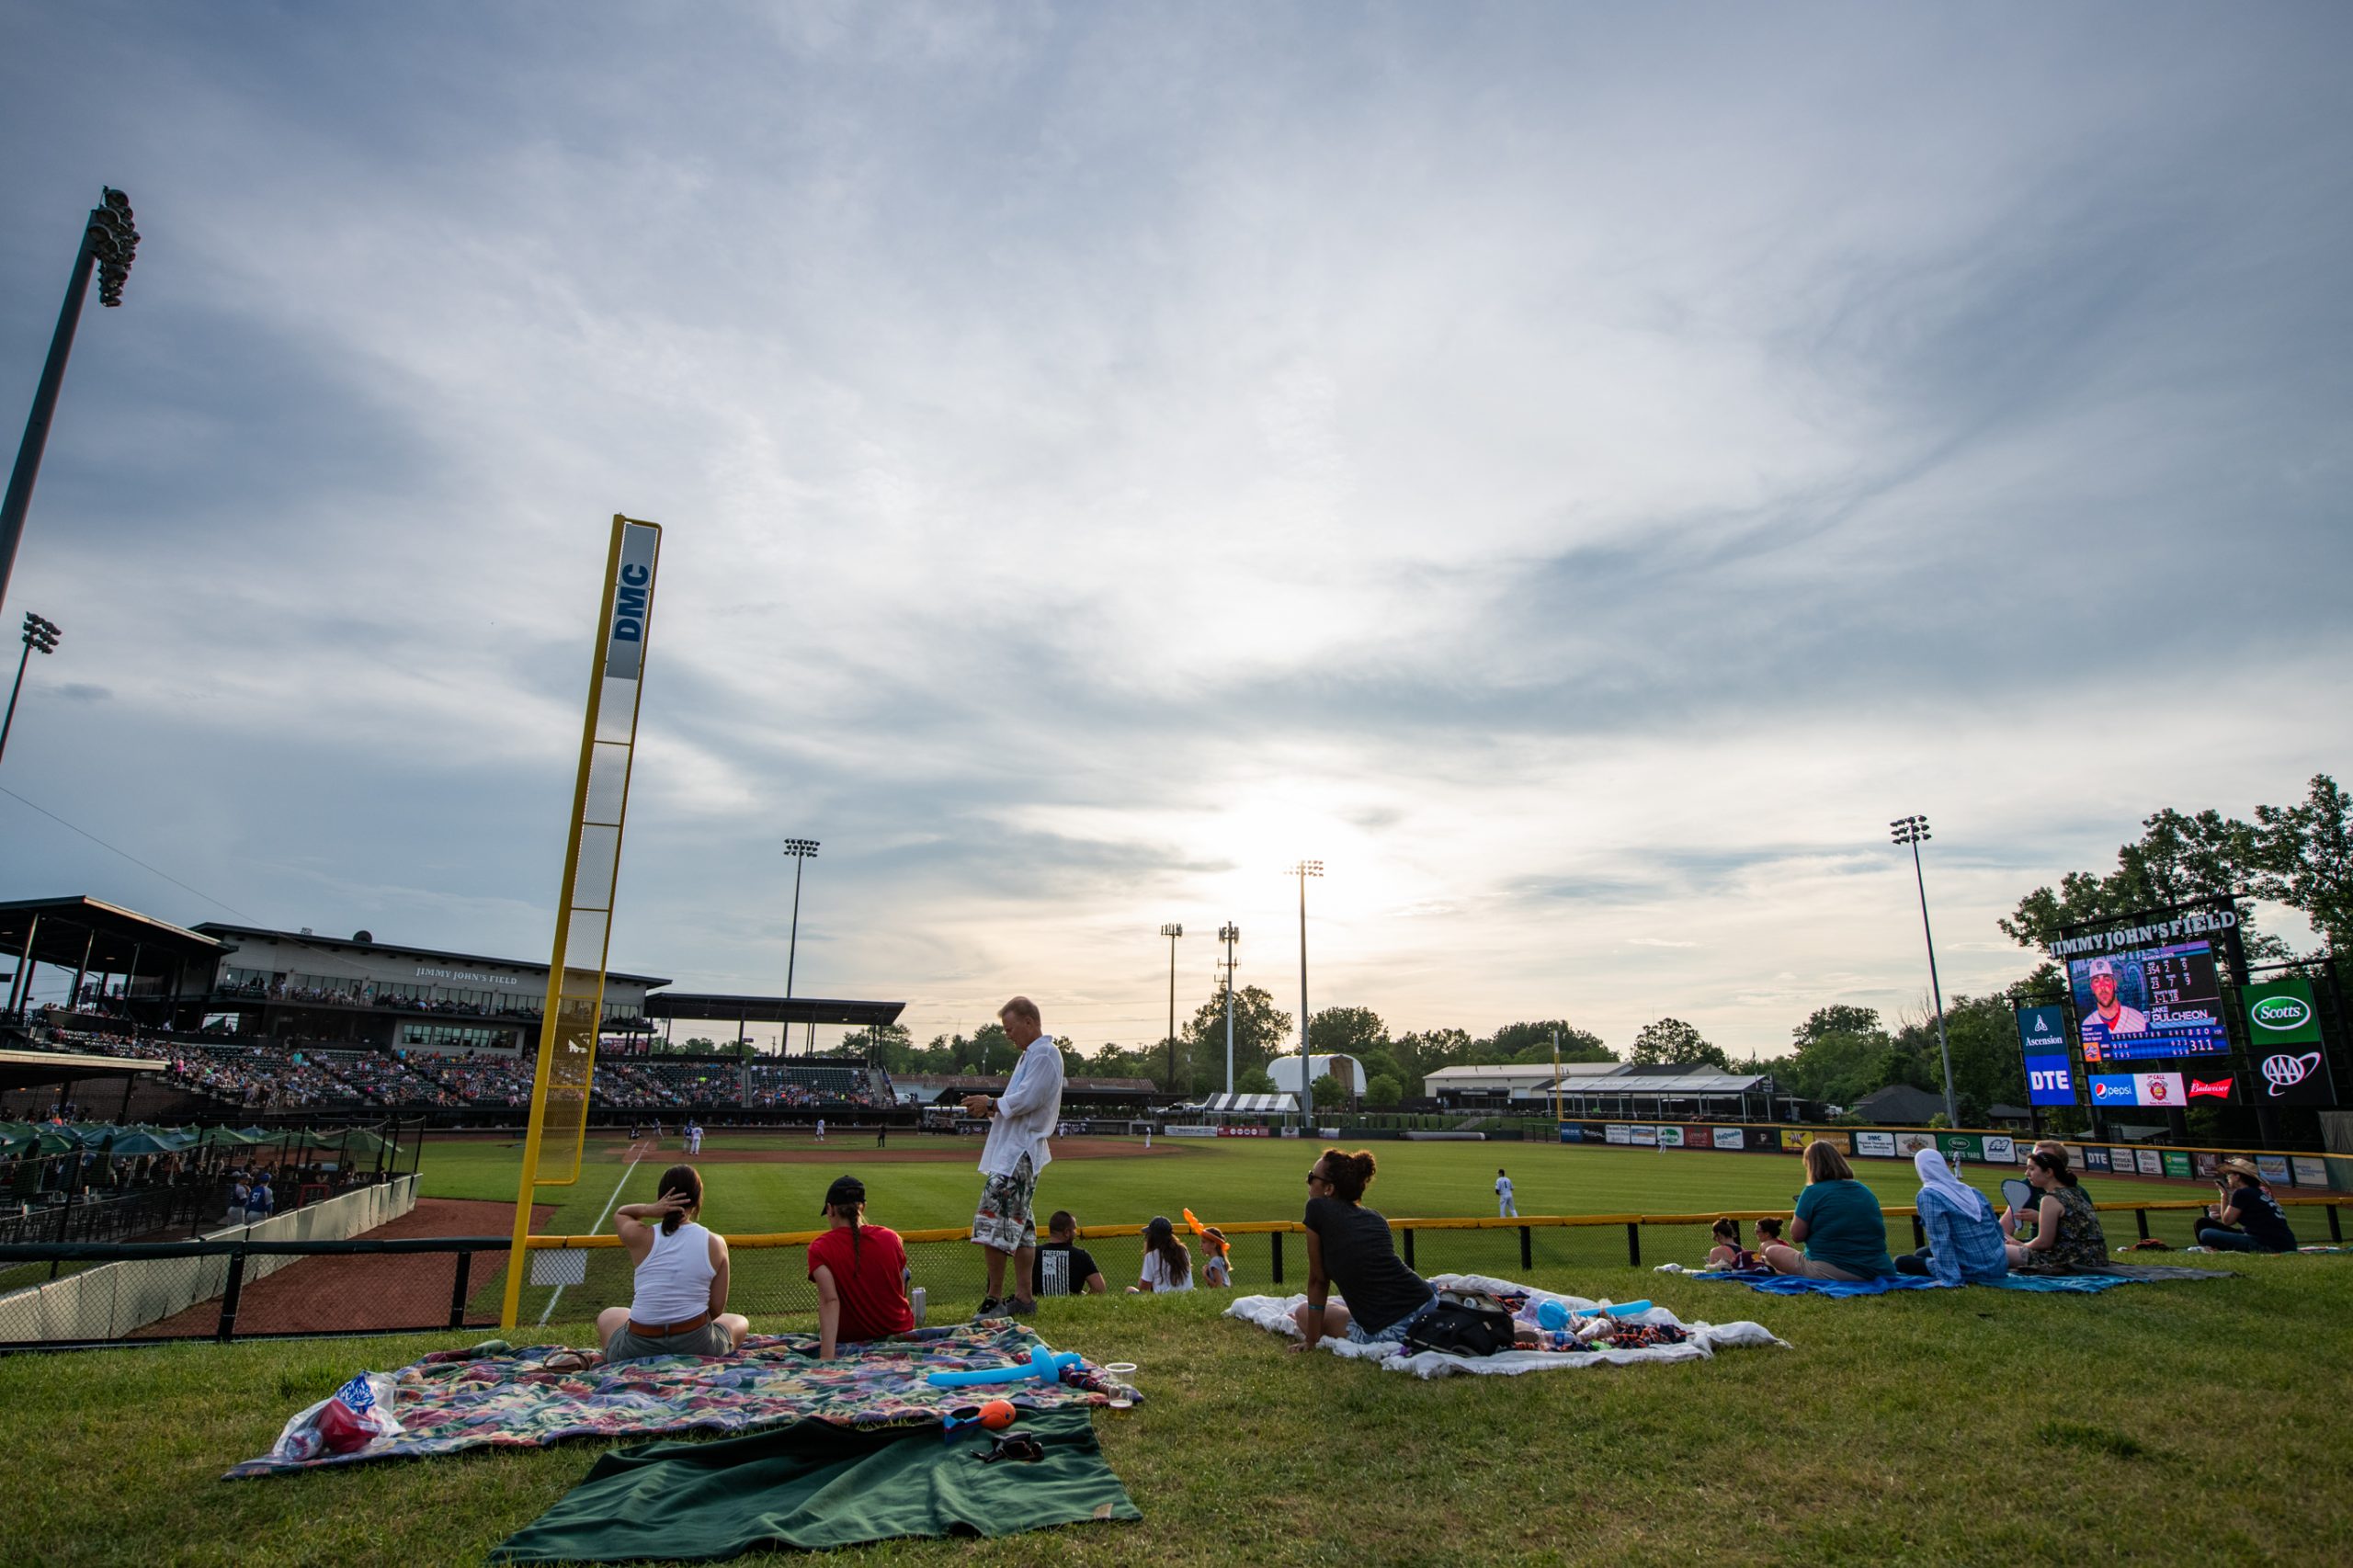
(678, 1305)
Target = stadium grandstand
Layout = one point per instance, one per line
(223, 1019)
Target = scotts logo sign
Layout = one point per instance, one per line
(2280, 1013)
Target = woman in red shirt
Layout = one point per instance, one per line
(861, 1271)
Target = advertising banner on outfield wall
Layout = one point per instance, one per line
(2095, 1160)
(1729, 1137)
(1910, 1143)
(2151, 1161)
(1670, 1137)
(1792, 1141)
(1618, 1132)
(2176, 1164)
(1698, 1137)
(1645, 1136)
(2309, 1171)
(1572, 1133)
(2274, 1167)
(1878, 1145)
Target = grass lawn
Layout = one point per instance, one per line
(1222, 1180)
(2154, 1422)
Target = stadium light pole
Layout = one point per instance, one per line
(39, 633)
(802, 850)
(1229, 933)
(1303, 871)
(1172, 932)
(1912, 830)
(108, 244)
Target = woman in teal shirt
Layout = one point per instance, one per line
(1837, 1219)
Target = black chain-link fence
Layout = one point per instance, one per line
(236, 1288)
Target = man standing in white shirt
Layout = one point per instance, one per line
(1016, 1152)
(1504, 1208)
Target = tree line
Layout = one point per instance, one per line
(2300, 856)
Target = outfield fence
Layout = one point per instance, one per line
(278, 1289)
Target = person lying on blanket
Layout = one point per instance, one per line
(1348, 1245)
(679, 1306)
(2067, 1234)
(861, 1274)
(1838, 1222)
(1965, 1242)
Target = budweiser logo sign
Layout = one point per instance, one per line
(2221, 1091)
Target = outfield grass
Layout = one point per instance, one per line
(2150, 1423)
(1225, 1180)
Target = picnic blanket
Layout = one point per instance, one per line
(2065, 1284)
(495, 1396)
(1273, 1313)
(815, 1485)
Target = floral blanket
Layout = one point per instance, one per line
(494, 1395)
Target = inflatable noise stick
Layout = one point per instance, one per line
(1203, 1230)
(994, 1416)
(1553, 1315)
(1044, 1366)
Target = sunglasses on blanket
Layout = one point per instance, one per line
(1018, 1446)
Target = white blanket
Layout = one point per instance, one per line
(1273, 1313)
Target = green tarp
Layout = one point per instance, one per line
(815, 1485)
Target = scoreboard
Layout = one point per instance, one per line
(2150, 1004)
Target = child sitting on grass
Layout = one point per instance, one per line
(1167, 1263)
(1216, 1273)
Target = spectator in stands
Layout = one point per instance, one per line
(1348, 1245)
(1063, 1268)
(1728, 1253)
(2067, 1234)
(1015, 1154)
(2248, 1218)
(860, 1271)
(1167, 1262)
(1964, 1240)
(679, 1304)
(1838, 1222)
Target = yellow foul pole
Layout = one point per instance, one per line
(573, 1010)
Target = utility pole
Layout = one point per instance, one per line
(1303, 871)
(108, 244)
(802, 851)
(1912, 830)
(1229, 933)
(39, 634)
(1172, 932)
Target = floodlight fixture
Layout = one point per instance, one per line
(801, 851)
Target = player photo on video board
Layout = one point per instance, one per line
(2149, 1002)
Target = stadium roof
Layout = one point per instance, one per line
(769, 1009)
(116, 940)
(318, 943)
(32, 1069)
(1683, 1086)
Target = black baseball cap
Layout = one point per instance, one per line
(844, 1191)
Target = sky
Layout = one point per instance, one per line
(1577, 471)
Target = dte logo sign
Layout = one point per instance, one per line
(2050, 1081)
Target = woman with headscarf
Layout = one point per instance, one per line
(1964, 1239)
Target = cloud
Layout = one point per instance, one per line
(1577, 474)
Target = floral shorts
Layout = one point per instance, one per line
(1002, 1218)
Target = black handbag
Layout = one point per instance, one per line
(1462, 1323)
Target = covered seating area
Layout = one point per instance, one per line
(94, 939)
